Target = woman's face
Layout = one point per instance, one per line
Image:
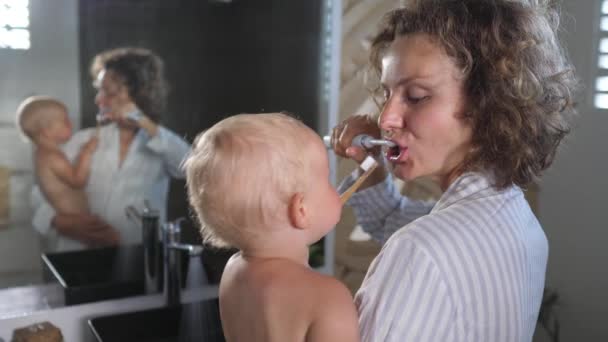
(424, 100)
(112, 96)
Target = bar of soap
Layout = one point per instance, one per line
(38, 332)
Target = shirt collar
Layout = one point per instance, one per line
(469, 184)
(112, 128)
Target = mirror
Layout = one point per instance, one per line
(221, 58)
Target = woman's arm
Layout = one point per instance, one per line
(88, 229)
(172, 148)
(381, 210)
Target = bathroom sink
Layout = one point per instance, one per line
(197, 321)
(118, 272)
(96, 274)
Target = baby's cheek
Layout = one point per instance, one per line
(338, 207)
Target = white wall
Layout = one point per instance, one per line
(51, 67)
(573, 207)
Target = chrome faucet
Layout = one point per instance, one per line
(153, 257)
(172, 250)
(162, 252)
(148, 219)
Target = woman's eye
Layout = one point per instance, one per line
(416, 99)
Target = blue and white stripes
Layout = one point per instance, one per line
(471, 270)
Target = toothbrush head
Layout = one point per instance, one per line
(102, 117)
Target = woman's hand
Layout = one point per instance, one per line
(133, 116)
(88, 229)
(126, 114)
(343, 134)
(341, 142)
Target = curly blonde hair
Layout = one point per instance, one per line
(37, 112)
(518, 81)
(242, 172)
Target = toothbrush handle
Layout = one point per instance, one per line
(327, 141)
(345, 196)
(362, 140)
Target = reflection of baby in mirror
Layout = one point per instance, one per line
(45, 122)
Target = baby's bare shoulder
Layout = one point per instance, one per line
(333, 313)
(48, 156)
(329, 289)
(334, 316)
(49, 161)
(310, 285)
(280, 280)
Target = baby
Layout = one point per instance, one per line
(260, 183)
(45, 122)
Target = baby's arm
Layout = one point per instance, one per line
(336, 316)
(75, 175)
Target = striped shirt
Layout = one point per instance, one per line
(473, 269)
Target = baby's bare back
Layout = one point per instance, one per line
(61, 196)
(270, 301)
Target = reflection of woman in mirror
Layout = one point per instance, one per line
(135, 156)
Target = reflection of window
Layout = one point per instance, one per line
(14, 24)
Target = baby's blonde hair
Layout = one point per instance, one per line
(243, 171)
(36, 112)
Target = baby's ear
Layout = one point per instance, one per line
(298, 215)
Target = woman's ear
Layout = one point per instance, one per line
(298, 215)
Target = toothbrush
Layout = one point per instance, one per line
(368, 166)
(363, 140)
(100, 119)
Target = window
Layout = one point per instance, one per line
(14, 24)
(600, 98)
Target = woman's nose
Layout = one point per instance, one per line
(392, 116)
